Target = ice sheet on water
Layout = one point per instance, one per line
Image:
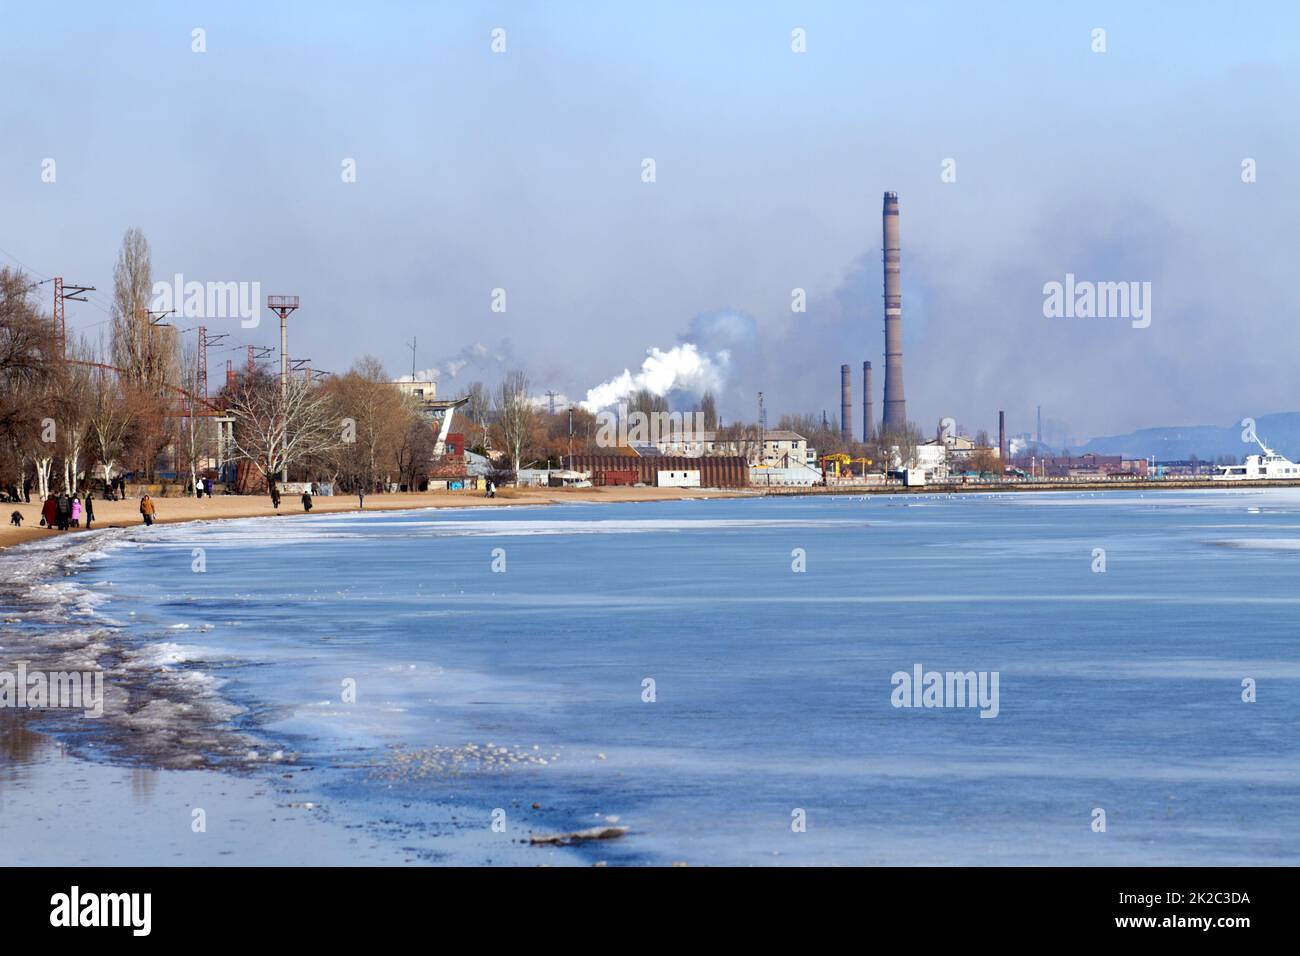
(1262, 544)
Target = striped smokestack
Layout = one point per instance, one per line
(846, 403)
(895, 405)
(868, 423)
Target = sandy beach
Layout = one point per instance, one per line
(116, 514)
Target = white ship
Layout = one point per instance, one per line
(1260, 467)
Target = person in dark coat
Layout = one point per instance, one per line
(275, 495)
(50, 512)
(63, 513)
(89, 509)
(207, 487)
(306, 501)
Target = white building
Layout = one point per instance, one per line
(420, 391)
(780, 448)
(932, 459)
(678, 479)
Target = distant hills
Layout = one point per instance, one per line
(1280, 431)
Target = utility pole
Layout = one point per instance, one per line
(412, 348)
(283, 306)
(256, 352)
(206, 340)
(61, 294)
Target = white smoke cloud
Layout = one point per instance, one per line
(479, 357)
(682, 368)
(426, 375)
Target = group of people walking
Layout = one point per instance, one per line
(66, 511)
(308, 493)
(63, 512)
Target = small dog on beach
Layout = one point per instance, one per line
(16, 518)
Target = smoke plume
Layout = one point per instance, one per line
(683, 368)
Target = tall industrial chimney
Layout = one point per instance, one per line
(868, 417)
(1002, 438)
(1040, 425)
(895, 405)
(846, 403)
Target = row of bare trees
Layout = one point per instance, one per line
(66, 416)
(356, 430)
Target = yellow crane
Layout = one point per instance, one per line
(833, 465)
(841, 465)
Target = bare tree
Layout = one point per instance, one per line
(709, 406)
(647, 402)
(515, 413)
(414, 451)
(898, 446)
(108, 422)
(71, 385)
(377, 418)
(275, 426)
(478, 409)
(27, 348)
(194, 437)
(738, 439)
(147, 354)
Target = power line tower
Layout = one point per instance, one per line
(256, 352)
(61, 294)
(204, 341)
(551, 401)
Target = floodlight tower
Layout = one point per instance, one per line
(283, 306)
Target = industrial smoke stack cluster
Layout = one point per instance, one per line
(895, 405)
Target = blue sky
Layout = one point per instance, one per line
(522, 170)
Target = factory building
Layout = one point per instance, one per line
(713, 471)
(779, 448)
(1085, 466)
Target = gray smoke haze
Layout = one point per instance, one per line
(522, 172)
